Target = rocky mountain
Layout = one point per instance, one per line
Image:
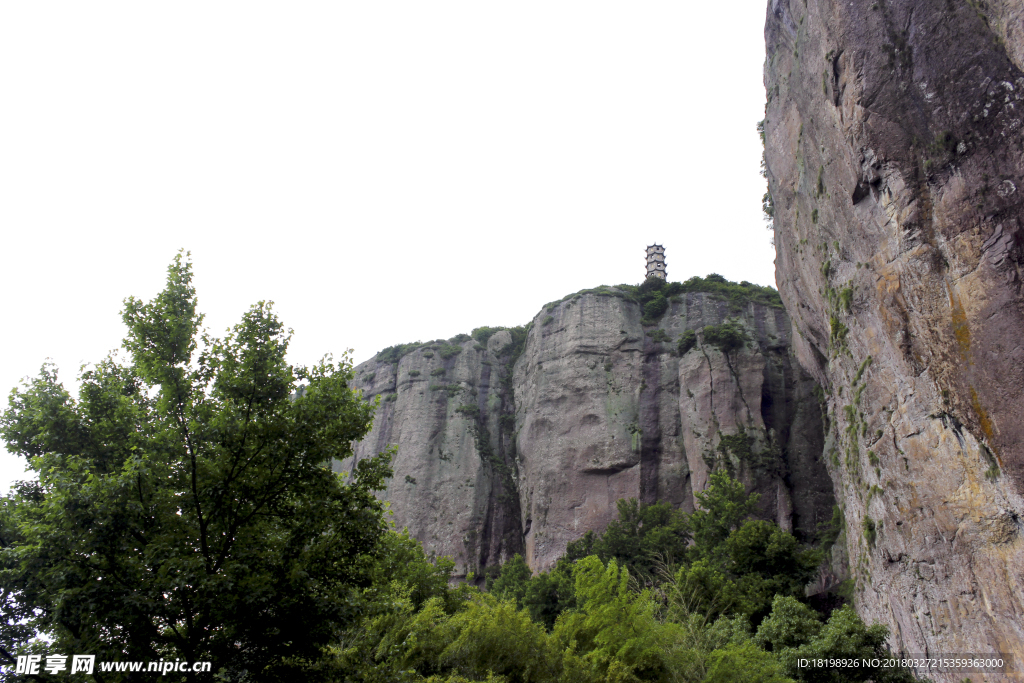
(893, 147)
(522, 440)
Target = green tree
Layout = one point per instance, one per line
(550, 593)
(185, 507)
(744, 664)
(512, 581)
(724, 505)
(793, 632)
(645, 538)
(615, 634)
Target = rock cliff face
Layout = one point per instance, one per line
(524, 443)
(893, 146)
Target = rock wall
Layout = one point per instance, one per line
(496, 458)
(604, 411)
(446, 406)
(893, 147)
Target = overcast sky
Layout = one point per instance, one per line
(385, 172)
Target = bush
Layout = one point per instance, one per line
(393, 354)
(687, 340)
(449, 350)
(482, 334)
(654, 309)
(469, 410)
(735, 294)
(659, 335)
(451, 389)
(728, 336)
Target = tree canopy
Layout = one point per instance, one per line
(185, 506)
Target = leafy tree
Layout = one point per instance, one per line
(724, 505)
(551, 593)
(791, 623)
(185, 507)
(744, 664)
(704, 588)
(512, 581)
(767, 561)
(793, 631)
(615, 632)
(493, 636)
(644, 537)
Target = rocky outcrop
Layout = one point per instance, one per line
(526, 442)
(446, 407)
(893, 147)
(604, 411)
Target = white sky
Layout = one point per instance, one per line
(384, 171)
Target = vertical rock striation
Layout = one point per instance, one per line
(447, 408)
(527, 442)
(605, 411)
(893, 147)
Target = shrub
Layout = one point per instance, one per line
(482, 334)
(659, 335)
(654, 309)
(449, 350)
(451, 389)
(468, 409)
(736, 444)
(870, 532)
(393, 354)
(687, 340)
(437, 372)
(728, 336)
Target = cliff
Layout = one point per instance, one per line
(522, 440)
(893, 150)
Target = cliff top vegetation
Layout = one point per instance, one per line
(737, 294)
(654, 297)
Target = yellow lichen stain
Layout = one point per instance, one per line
(984, 421)
(961, 330)
(970, 500)
(888, 281)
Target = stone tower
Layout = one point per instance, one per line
(656, 262)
